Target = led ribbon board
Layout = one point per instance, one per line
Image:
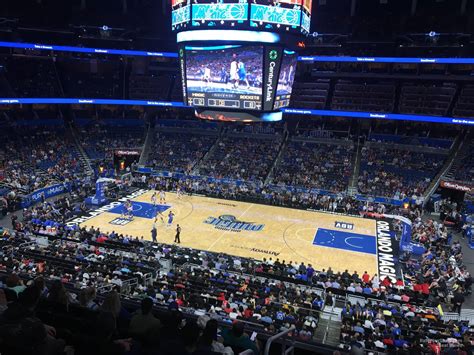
(44, 47)
(386, 60)
(289, 111)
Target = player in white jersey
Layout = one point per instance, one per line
(160, 215)
(153, 198)
(178, 192)
(129, 208)
(288, 78)
(207, 75)
(162, 197)
(234, 71)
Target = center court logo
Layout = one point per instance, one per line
(232, 224)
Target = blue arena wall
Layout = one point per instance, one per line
(50, 191)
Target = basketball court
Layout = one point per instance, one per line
(251, 230)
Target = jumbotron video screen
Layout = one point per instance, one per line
(225, 76)
(234, 55)
(286, 79)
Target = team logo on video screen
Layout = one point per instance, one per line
(344, 225)
(232, 224)
(120, 221)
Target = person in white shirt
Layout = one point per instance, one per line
(234, 73)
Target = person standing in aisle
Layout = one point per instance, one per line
(153, 233)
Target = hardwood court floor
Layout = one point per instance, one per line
(321, 239)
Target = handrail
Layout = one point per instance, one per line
(276, 336)
(452, 155)
(326, 332)
(146, 145)
(105, 288)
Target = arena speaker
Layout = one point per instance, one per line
(238, 57)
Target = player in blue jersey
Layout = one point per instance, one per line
(242, 73)
(170, 218)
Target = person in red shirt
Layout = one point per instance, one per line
(248, 313)
(366, 277)
(386, 281)
(399, 283)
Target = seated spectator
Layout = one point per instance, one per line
(143, 322)
(237, 339)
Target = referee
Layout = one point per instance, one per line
(178, 232)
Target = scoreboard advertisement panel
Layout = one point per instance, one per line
(276, 15)
(306, 16)
(180, 14)
(227, 76)
(273, 57)
(212, 14)
(290, 16)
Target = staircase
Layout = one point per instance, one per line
(453, 156)
(462, 153)
(352, 189)
(58, 78)
(332, 87)
(83, 158)
(454, 100)
(283, 145)
(329, 329)
(149, 140)
(195, 168)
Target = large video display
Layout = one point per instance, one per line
(180, 14)
(270, 15)
(225, 76)
(286, 79)
(218, 13)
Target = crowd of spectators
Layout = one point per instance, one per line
(178, 152)
(241, 158)
(99, 141)
(397, 173)
(81, 270)
(37, 157)
(315, 165)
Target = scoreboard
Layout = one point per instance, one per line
(237, 57)
(291, 16)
